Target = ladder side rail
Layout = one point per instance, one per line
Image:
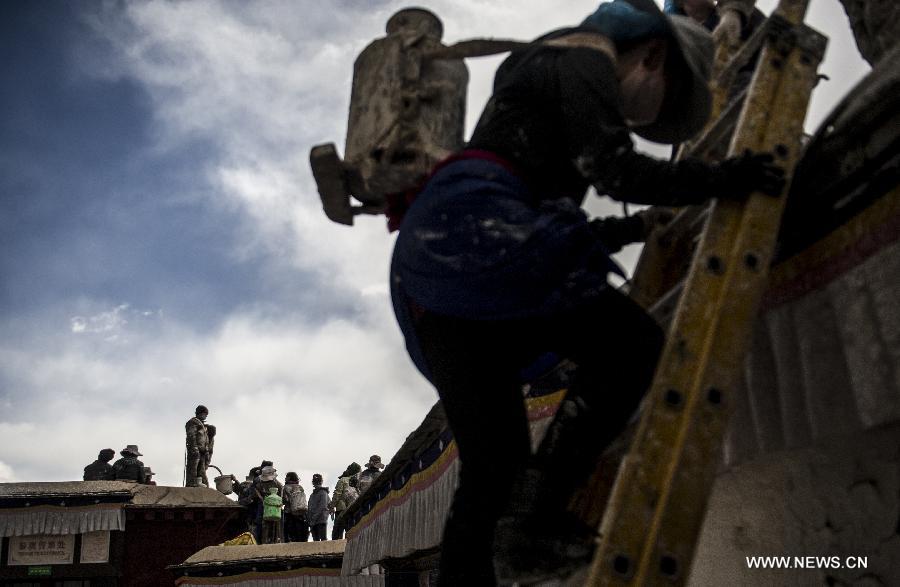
(708, 407)
(644, 470)
(630, 547)
(652, 277)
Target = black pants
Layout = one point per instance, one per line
(195, 468)
(271, 531)
(476, 365)
(337, 530)
(296, 529)
(319, 531)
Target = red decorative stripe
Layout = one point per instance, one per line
(833, 255)
(420, 482)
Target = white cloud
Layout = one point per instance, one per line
(308, 397)
(103, 322)
(264, 86)
(6, 473)
(115, 326)
(311, 392)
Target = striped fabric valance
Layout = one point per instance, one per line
(56, 520)
(408, 515)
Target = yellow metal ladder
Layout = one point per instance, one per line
(654, 515)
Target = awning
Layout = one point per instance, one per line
(410, 517)
(55, 520)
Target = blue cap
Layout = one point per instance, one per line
(685, 110)
(620, 21)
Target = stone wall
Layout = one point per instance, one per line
(840, 498)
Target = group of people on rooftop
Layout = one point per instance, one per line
(279, 512)
(276, 512)
(127, 468)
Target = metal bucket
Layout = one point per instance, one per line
(223, 482)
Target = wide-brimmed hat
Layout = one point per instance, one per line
(133, 449)
(375, 461)
(268, 474)
(148, 472)
(688, 100)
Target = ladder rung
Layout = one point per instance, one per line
(663, 310)
(687, 222)
(720, 130)
(745, 53)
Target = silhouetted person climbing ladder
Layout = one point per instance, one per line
(496, 265)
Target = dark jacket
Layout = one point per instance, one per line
(500, 234)
(318, 506)
(129, 469)
(196, 436)
(366, 478)
(99, 471)
(556, 116)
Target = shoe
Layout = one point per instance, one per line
(529, 549)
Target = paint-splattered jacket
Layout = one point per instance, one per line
(500, 234)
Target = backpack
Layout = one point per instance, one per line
(296, 500)
(272, 507)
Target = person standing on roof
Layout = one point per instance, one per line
(271, 498)
(342, 498)
(296, 509)
(262, 488)
(129, 467)
(253, 498)
(101, 470)
(148, 476)
(247, 498)
(370, 473)
(496, 265)
(318, 509)
(197, 446)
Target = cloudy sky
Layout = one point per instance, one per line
(162, 242)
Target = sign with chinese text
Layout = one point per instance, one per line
(41, 550)
(95, 547)
(44, 571)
